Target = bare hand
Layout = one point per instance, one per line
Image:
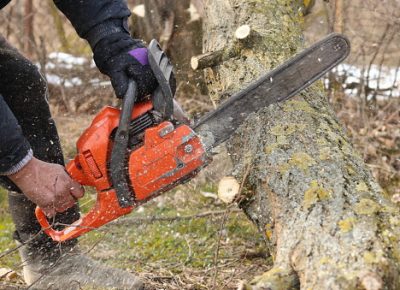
(47, 185)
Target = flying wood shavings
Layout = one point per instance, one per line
(139, 10)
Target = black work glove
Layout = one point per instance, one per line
(123, 58)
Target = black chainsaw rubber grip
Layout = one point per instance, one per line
(162, 97)
(118, 172)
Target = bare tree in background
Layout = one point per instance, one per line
(177, 25)
(29, 42)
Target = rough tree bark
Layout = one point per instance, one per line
(327, 223)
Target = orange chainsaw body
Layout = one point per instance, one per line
(165, 157)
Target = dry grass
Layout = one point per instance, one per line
(375, 132)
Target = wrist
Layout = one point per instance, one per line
(24, 172)
(107, 29)
(20, 165)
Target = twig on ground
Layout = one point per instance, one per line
(151, 219)
(216, 254)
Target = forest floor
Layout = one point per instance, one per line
(187, 238)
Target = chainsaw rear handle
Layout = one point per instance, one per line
(110, 204)
(105, 210)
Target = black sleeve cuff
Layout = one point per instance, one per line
(18, 162)
(13, 145)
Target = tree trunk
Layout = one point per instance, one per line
(327, 223)
(339, 14)
(59, 26)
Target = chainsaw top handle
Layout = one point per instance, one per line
(162, 99)
(119, 178)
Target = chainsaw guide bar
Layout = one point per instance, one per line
(276, 86)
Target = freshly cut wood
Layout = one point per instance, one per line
(217, 57)
(139, 10)
(243, 32)
(228, 189)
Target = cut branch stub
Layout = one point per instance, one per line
(214, 58)
(228, 189)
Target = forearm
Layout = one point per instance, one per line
(15, 151)
(96, 19)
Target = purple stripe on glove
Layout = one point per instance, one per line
(140, 54)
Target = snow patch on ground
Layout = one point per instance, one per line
(380, 80)
(56, 80)
(66, 58)
(66, 61)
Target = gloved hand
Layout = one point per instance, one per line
(47, 185)
(121, 58)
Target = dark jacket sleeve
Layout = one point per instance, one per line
(13, 145)
(3, 3)
(95, 19)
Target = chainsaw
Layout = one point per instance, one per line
(135, 153)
